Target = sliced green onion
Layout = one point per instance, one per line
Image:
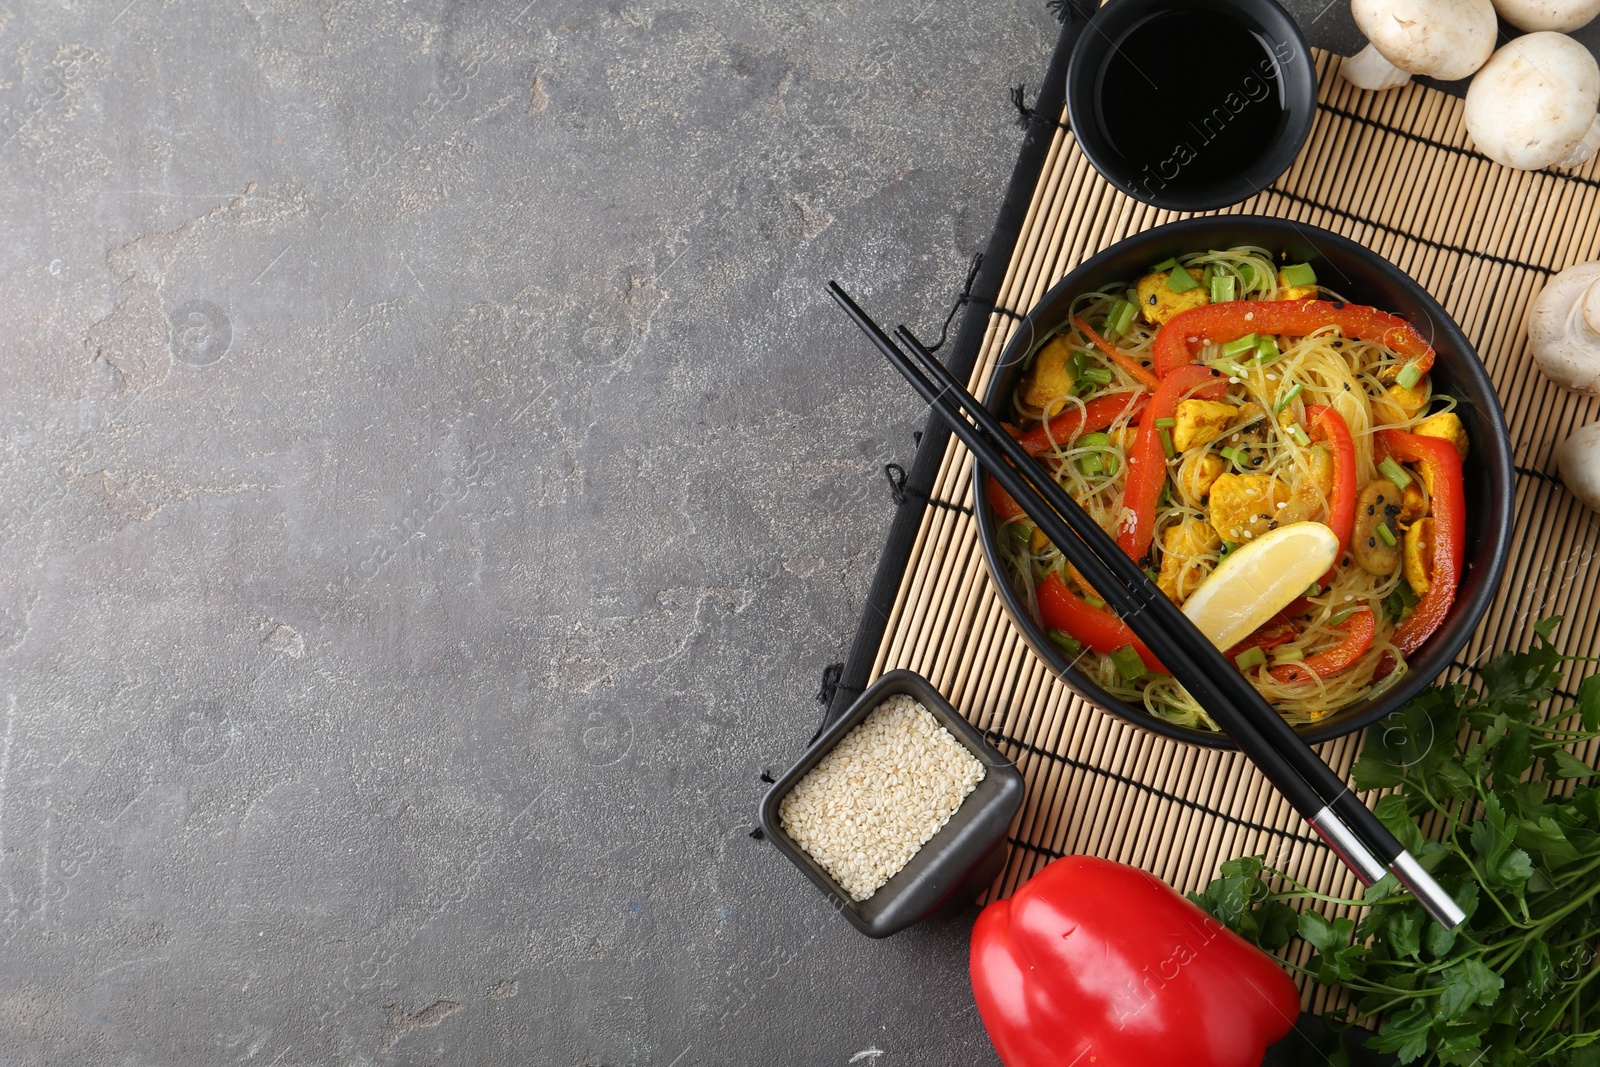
(1095, 602)
(1166, 443)
(1094, 440)
(1084, 387)
(1239, 347)
(1092, 464)
(1166, 424)
(1020, 531)
(1288, 398)
(1233, 455)
(1098, 375)
(1165, 264)
(1119, 318)
(1340, 616)
(1394, 472)
(1314, 590)
(1227, 547)
(1128, 663)
(1385, 534)
(1221, 288)
(1288, 655)
(1298, 432)
(1409, 376)
(1247, 275)
(1181, 281)
(1251, 657)
(1267, 350)
(1297, 274)
(1400, 600)
(1066, 642)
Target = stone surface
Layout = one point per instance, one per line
(432, 482)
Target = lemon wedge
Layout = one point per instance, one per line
(1259, 579)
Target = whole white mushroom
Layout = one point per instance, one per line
(1533, 104)
(1578, 459)
(1564, 16)
(1444, 39)
(1564, 328)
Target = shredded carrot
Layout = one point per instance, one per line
(1142, 374)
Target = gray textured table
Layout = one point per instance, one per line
(432, 482)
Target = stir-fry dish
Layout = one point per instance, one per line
(1276, 459)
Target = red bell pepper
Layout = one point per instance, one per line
(1449, 511)
(1328, 425)
(1272, 633)
(1074, 422)
(1147, 463)
(1136, 370)
(1063, 610)
(1229, 321)
(1358, 631)
(1005, 508)
(1097, 964)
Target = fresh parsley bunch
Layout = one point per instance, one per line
(1517, 822)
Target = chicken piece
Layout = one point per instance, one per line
(1410, 401)
(1050, 381)
(1378, 504)
(1196, 474)
(1124, 437)
(1447, 426)
(1413, 505)
(1184, 562)
(1419, 555)
(1199, 422)
(1295, 292)
(1319, 460)
(1245, 506)
(1157, 301)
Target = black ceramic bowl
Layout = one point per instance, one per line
(1360, 275)
(955, 864)
(1201, 170)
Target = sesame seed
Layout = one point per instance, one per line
(880, 794)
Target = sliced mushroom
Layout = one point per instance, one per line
(1579, 461)
(1563, 16)
(1378, 504)
(1533, 104)
(1442, 39)
(1564, 328)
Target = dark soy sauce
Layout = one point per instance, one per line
(1190, 96)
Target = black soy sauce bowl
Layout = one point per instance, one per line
(1170, 179)
(1360, 275)
(955, 864)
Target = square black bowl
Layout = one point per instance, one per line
(955, 864)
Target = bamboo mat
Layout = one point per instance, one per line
(1394, 172)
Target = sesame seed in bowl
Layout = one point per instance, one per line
(885, 789)
(899, 809)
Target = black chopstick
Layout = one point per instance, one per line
(1260, 733)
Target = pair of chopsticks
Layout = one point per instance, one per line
(1352, 831)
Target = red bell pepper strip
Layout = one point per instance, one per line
(1063, 610)
(1147, 463)
(1272, 633)
(1328, 425)
(1073, 422)
(1005, 508)
(1229, 321)
(1358, 631)
(1097, 963)
(1139, 372)
(1449, 511)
